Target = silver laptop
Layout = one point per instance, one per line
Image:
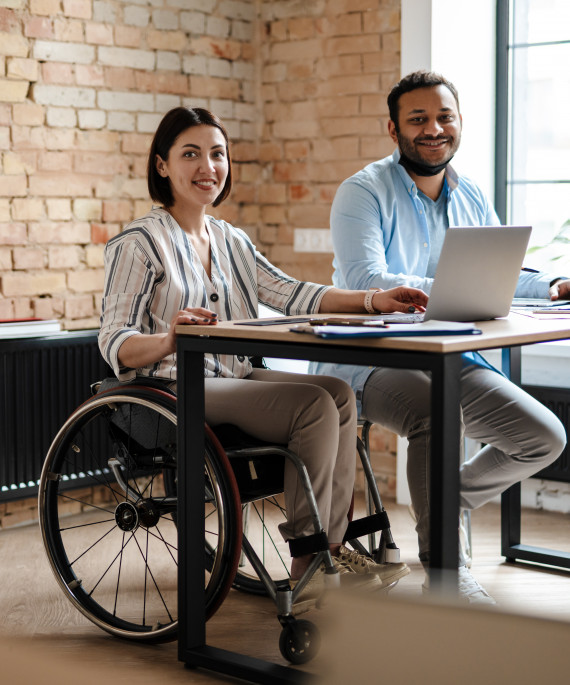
(476, 275)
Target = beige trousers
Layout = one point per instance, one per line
(315, 416)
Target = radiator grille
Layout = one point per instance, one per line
(42, 381)
(558, 401)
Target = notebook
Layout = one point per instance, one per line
(476, 275)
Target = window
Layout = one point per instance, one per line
(533, 125)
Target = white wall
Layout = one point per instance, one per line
(457, 39)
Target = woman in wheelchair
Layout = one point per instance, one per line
(178, 265)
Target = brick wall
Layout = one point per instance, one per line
(301, 86)
(83, 84)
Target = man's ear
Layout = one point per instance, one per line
(392, 131)
(161, 166)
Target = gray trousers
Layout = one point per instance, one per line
(315, 416)
(521, 435)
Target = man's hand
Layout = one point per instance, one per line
(400, 299)
(560, 290)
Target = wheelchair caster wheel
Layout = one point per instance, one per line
(299, 641)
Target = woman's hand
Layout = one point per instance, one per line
(192, 316)
(400, 299)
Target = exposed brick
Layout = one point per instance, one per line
(94, 256)
(38, 27)
(58, 209)
(166, 40)
(136, 143)
(5, 214)
(43, 282)
(85, 280)
(54, 161)
(99, 34)
(125, 101)
(14, 186)
(13, 45)
(79, 306)
(87, 209)
(161, 83)
(57, 72)
(104, 141)
(64, 52)
(91, 118)
(117, 210)
(13, 91)
(22, 68)
(58, 233)
(61, 116)
(64, 257)
(13, 233)
(5, 265)
(215, 47)
(27, 209)
(127, 57)
(64, 96)
(79, 9)
(61, 184)
(45, 7)
(205, 86)
(68, 30)
(28, 258)
(127, 36)
(102, 233)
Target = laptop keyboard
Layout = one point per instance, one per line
(402, 318)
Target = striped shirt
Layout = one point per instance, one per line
(152, 272)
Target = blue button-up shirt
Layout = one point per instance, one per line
(381, 239)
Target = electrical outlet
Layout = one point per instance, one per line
(312, 240)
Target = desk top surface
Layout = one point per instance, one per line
(516, 329)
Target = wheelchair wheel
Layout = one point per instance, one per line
(107, 508)
(260, 525)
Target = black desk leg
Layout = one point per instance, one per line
(192, 647)
(444, 472)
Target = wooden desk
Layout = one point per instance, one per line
(439, 355)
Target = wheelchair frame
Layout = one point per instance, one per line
(136, 510)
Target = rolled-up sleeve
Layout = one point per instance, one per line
(129, 278)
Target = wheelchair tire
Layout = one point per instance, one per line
(107, 509)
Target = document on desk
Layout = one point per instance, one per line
(431, 327)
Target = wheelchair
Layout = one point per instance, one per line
(108, 507)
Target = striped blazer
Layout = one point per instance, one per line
(152, 271)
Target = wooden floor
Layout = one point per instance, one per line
(43, 633)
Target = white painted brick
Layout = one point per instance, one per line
(166, 102)
(205, 6)
(221, 68)
(91, 118)
(169, 61)
(242, 30)
(194, 64)
(216, 26)
(243, 70)
(148, 123)
(121, 121)
(165, 19)
(127, 57)
(64, 96)
(55, 51)
(61, 116)
(104, 11)
(136, 16)
(246, 112)
(249, 132)
(193, 22)
(223, 108)
(234, 9)
(125, 101)
(196, 102)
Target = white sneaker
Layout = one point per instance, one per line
(469, 590)
(361, 564)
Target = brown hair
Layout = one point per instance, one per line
(175, 122)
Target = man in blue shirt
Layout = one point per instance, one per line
(388, 222)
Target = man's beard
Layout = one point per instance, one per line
(412, 160)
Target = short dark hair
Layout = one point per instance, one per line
(175, 122)
(413, 81)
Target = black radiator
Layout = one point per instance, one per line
(42, 381)
(558, 401)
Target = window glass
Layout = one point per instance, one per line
(538, 181)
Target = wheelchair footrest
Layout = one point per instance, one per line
(392, 556)
(367, 525)
(309, 544)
